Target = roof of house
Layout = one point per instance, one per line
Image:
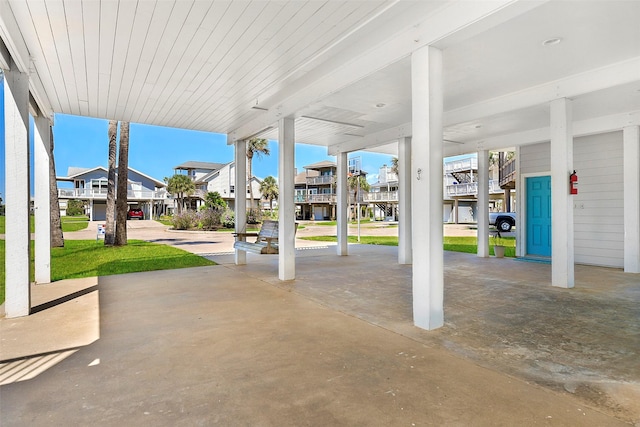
(322, 164)
(200, 165)
(213, 172)
(301, 178)
(74, 171)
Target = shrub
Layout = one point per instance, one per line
(228, 218)
(254, 216)
(185, 220)
(209, 219)
(75, 207)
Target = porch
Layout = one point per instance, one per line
(233, 344)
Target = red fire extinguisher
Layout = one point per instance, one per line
(573, 182)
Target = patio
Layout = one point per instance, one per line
(234, 345)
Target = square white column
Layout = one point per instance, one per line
(404, 202)
(240, 195)
(631, 166)
(342, 214)
(41, 149)
(286, 204)
(562, 252)
(17, 235)
(483, 203)
(426, 188)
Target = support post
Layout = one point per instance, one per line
(405, 252)
(631, 150)
(426, 187)
(343, 205)
(240, 195)
(42, 205)
(17, 235)
(483, 203)
(562, 246)
(286, 205)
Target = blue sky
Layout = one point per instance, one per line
(155, 151)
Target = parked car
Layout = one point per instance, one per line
(503, 221)
(135, 213)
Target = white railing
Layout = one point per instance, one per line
(471, 189)
(316, 180)
(461, 165)
(380, 196)
(87, 193)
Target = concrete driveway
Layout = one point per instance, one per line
(233, 345)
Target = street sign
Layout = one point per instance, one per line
(101, 231)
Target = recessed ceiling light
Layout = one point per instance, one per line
(552, 42)
(380, 105)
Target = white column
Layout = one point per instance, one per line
(631, 150)
(426, 188)
(41, 145)
(342, 195)
(17, 236)
(240, 195)
(404, 201)
(520, 212)
(562, 255)
(286, 204)
(483, 203)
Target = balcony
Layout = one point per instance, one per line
(508, 173)
(380, 196)
(470, 164)
(101, 194)
(315, 198)
(470, 189)
(320, 180)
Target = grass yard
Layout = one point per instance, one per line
(74, 223)
(451, 243)
(69, 223)
(329, 223)
(86, 258)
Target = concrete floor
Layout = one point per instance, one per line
(232, 345)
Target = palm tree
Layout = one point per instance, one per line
(123, 177)
(394, 165)
(258, 147)
(357, 182)
(269, 190)
(110, 229)
(57, 238)
(180, 186)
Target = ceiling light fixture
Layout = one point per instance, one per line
(552, 42)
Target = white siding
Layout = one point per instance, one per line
(598, 206)
(535, 158)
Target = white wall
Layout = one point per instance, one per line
(598, 206)
(535, 158)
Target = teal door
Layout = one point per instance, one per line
(539, 216)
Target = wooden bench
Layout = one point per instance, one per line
(266, 242)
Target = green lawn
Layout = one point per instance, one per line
(74, 223)
(69, 223)
(329, 223)
(451, 243)
(86, 258)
